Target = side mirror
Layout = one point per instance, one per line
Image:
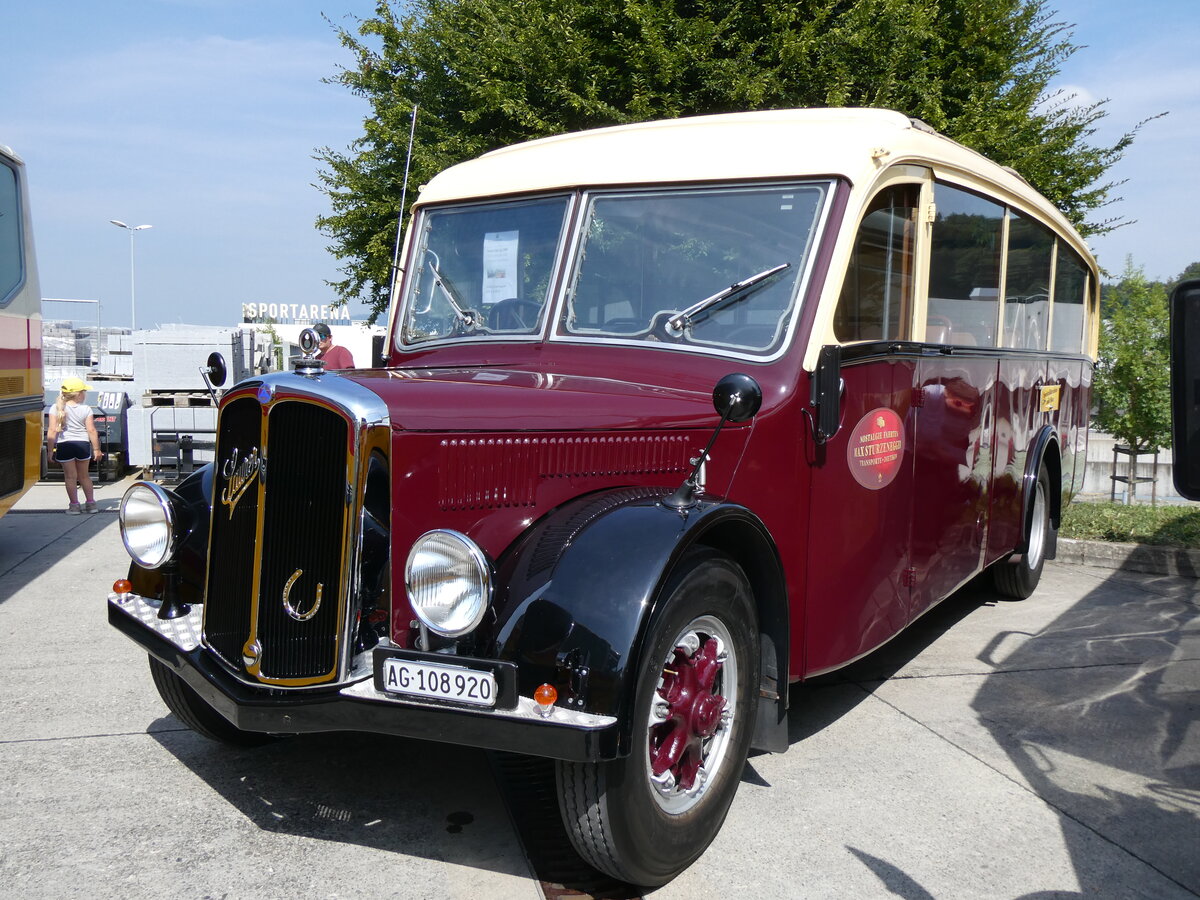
(1185, 387)
(213, 372)
(827, 392)
(216, 371)
(737, 397)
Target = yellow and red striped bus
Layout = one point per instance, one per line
(20, 337)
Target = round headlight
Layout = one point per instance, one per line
(449, 582)
(148, 524)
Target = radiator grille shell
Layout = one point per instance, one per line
(280, 528)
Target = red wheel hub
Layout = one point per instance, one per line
(694, 711)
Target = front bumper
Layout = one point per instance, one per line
(177, 643)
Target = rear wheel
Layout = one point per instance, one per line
(1018, 576)
(647, 817)
(192, 711)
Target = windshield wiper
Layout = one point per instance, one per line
(679, 320)
(467, 317)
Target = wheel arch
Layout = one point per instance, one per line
(1044, 449)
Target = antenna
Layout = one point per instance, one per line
(412, 130)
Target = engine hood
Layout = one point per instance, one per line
(503, 399)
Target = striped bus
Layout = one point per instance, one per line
(20, 337)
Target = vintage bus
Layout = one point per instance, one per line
(20, 337)
(674, 415)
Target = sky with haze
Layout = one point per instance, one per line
(202, 117)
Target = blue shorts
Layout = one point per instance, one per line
(65, 451)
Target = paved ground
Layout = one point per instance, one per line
(1049, 748)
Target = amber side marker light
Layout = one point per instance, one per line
(123, 587)
(545, 697)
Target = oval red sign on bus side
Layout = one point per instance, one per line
(875, 448)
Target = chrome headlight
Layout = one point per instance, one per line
(449, 582)
(149, 524)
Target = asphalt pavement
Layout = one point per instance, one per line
(999, 749)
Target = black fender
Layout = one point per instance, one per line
(1043, 449)
(581, 588)
(195, 496)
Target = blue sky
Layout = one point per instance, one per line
(201, 118)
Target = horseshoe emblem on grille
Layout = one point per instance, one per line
(287, 604)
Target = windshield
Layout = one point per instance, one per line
(714, 266)
(483, 269)
(706, 267)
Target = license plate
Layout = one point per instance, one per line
(422, 679)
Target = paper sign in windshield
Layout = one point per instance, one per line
(876, 448)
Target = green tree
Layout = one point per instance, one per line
(486, 73)
(1192, 271)
(1133, 381)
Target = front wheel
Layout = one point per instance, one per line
(647, 817)
(190, 709)
(1018, 576)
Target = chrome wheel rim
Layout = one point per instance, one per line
(691, 715)
(1037, 532)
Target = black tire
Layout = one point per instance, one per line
(646, 829)
(192, 711)
(1019, 574)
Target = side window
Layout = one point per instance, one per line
(11, 256)
(876, 300)
(1070, 296)
(964, 268)
(1027, 283)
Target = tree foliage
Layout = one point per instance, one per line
(486, 73)
(1133, 381)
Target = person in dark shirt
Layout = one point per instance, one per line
(335, 357)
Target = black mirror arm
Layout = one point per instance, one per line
(685, 495)
(737, 398)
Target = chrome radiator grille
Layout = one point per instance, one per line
(274, 607)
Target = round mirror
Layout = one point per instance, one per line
(737, 397)
(216, 369)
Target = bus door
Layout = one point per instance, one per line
(862, 487)
(860, 505)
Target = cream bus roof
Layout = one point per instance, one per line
(854, 143)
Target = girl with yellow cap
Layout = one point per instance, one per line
(73, 439)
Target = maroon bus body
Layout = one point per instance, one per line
(860, 564)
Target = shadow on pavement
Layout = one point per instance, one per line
(817, 703)
(425, 800)
(1095, 711)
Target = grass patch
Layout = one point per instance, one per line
(1175, 526)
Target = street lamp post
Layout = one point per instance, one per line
(132, 282)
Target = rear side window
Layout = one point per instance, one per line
(876, 300)
(964, 268)
(1027, 283)
(12, 259)
(1070, 294)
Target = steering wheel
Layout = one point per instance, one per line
(511, 314)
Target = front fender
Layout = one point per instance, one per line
(582, 587)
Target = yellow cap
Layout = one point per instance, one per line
(73, 386)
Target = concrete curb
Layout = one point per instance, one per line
(1148, 558)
